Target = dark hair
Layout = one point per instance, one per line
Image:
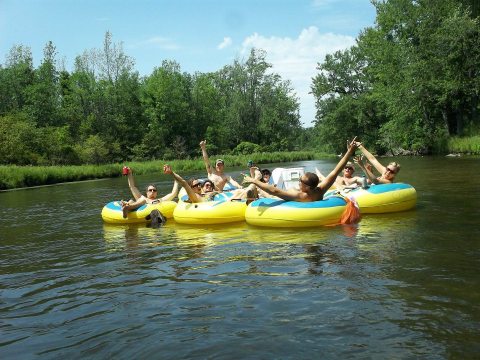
(312, 180)
(152, 185)
(266, 172)
(191, 180)
(209, 182)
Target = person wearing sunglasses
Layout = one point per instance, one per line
(347, 181)
(150, 197)
(387, 172)
(193, 186)
(217, 175)
(310, 188)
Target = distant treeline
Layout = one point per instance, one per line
(410, 83)
(104, 112)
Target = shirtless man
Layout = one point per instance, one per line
(151, 198)
(309, 187)
(387, 172)
(216, 174)
(347, 180)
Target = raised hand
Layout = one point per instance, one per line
(203, 143)
(352, 145)
(167, 169)
(358, 160)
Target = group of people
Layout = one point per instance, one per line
(311, 186)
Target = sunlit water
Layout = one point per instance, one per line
(394, 286)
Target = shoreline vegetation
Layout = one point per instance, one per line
(14, 177)
(17, 177)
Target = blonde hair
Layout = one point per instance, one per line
(396, 165)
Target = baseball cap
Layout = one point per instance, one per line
(219, 161)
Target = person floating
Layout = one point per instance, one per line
(310, 187)
(149, 198)
(217, 175)
(387, 172)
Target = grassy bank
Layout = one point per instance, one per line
(465, 145)
(12, 177)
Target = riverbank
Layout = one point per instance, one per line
(12, 177)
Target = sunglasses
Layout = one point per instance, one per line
(196, 185)
(390, 170)
(348, 168)
(151, 190)
(208, 184)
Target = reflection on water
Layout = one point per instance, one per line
(397, 286)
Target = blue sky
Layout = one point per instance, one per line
(201, 35)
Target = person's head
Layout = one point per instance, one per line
(308, 181)
(195, 184)
(219, 165)
(349, 169)
(391, 170)
(208, 186)
(151, 191)
(266, 174)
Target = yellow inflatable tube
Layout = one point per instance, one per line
(210, 212)
(112, 212)
(280, 213)
(384, 198)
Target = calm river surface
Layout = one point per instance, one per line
(396, 286)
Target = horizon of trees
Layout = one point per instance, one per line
(104, 111)
(410, 82)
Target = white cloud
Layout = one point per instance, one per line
(157, 42)
(296, 60)
(227, 41)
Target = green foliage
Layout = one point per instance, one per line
(469, 145)
(103, 111)
(93, 150)
(246, 147)
(410, 81)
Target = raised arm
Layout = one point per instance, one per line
(319, 174)
(203, 146)
(131, 184)
(373, 160)
(367, 169)
(328, 181)
(174, 192)
(167, 169)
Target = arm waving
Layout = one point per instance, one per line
(173, 194)
(131, 184)
(328, 181)
(167, 169)
(203, 146)
(373, 160)
(367, 169)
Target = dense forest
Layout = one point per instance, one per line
(103, 111)
(411, 82)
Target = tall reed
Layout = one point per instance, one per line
(469, 145)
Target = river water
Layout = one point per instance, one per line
(394, 286)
